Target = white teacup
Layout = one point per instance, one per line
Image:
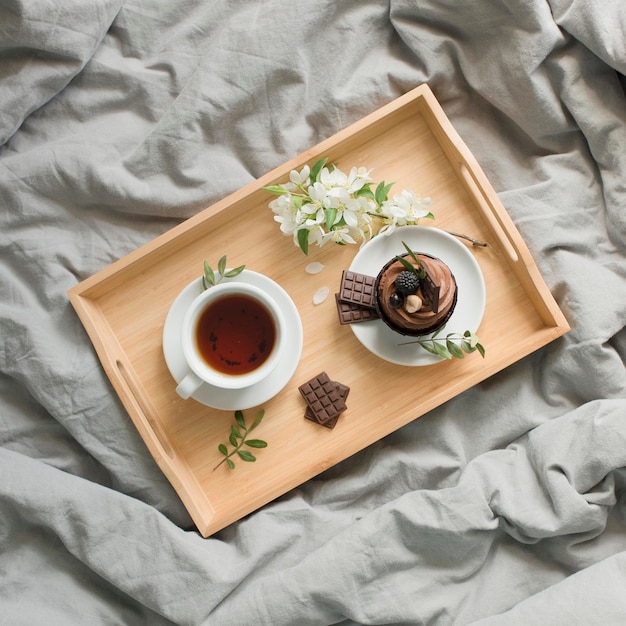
(233, 335)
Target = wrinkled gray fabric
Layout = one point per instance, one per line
(120, 119)
(43, 45)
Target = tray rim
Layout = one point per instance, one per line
(83, 296)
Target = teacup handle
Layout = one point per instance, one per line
(188, 385)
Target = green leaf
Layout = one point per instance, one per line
(209, 274)
(467, 346)
(235, 271)
(258, 419)
(240, 420)
(428, 347)
(223, 449)
(411, 253)
(481, 349)
(233, 440)
(316, 169)
(244, 455)
(230, 463)
(454, 349)
(256, 443)
(331, 215)
(382, 192)
(221, 265)
(441, 350)
(365, 192)
(277, 190)
(234, 430)
(407, 264)
(303, 240)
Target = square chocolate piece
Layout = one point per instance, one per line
(430, 289)
(357, 289)
(350, 313)
(343, 391)
(322, 397)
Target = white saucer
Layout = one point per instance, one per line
(375, 335)
(235, 399)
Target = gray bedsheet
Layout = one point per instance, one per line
(118, 119)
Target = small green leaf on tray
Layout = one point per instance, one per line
(256, 443)
(238, 437)
(239, 418)
(244, 455)
(210, 278)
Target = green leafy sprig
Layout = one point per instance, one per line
(453, 345)
(238, 438)
(210, 278)
(421, 272)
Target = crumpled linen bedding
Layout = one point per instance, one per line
(118, 119)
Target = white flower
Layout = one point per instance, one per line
(285, 213)
(388, 228)
(298, 180)
(406, 208)
(329, 205)
(301, 178)
(357, 178)
(356, 211)
(339, 235)
(320, 196)
(333, 178)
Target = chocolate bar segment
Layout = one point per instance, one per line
(430, 289)
(343, 391)
(357, 289)
(322, 397)
(350, 313)
(331, 423)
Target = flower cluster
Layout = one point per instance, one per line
(321, 204)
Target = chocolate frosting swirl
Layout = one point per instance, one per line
(424, 321)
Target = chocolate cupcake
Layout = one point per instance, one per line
(416, 302)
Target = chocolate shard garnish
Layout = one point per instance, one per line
(430, 289)
(343, 391)
(323, 397)
(357, 289)
(350, 313)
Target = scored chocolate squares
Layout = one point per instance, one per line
(325, 399)
(357, 289)
(353, 313)
(343, 391)
(356, 298)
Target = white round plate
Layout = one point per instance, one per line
(375, 335)
(235, 399)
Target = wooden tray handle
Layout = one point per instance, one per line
(144, 411)
(518, 256)
(490, 213)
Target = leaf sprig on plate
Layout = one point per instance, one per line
(210, 278)
(238, 438)
(452, 345)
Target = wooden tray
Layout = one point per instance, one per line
(123, 308)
